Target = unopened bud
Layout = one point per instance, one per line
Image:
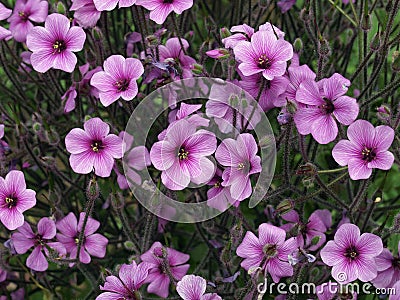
(308, 182)
(383, 113)
(376, 42)
(323, 47)
(224, 32)
(291, 107)
(97, 34)
(129, 245)
(52, 137)
(37, 127)
(61, 8)
(284, 207)
(92, 190)
(298, 45)
(152, 41)
(220, 53)
(307, 169)
(396, 61)
(366, 22)
(197, 69)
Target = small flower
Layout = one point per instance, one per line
(192, 287)
(388, 269)
(241, 159)
(53, 45)
(352, 256)
(111, 4)
(160, 9)
(15, 198)
(93, 243)
(322, 104)
(181, 155)
(24, 13)
(218, 53)
(164, 260)
(86, 13)
(131, 278)
(366, 148)
(25, 239)
(269, 251)
(94, 148)
(265, 54)
(118, 79)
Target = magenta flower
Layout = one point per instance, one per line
(111, 4)
(157, 256)
(265, 54)
(218, 53)
(366, 148)
(25, 239)
(241, 159)
(160, 9)
(15, 198)
(118, 79)
(93, 243)
(192, 287)
(86, 13)
(219, 196)
(181, 155)
(24, 13)
(126, 286)
(388, 269)
(53, 45)
(269, 251)
(93, 148)
(314, 230)
(5, 34)
(352, 256)
(322, 104)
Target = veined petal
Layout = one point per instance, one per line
(346, 110)
(358, 169)
(383, 160)
(345, 150)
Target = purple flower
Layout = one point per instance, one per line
(86, 13)
(15, 198)
(388, 269)
(93, 148)
(218, 53)
(53, 45)
(24, 13)
(318, 223)
(285, 5)
(25, 239)
(126, 286)
(352, 256)
(111, 4)
(118, 79)
(324, 104)
(241, 159)
(366, 148)
(5, 34)
(160, 257)
(269, 251)
(181, 155)
(160, 9)
(219, 196)
(265, 54)
(93, 243)
(192, 287)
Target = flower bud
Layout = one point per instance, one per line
(376, 42)
(308, 182)
(61, 8)
(37, 127)
(224, 32)
(284, 207)
(152, 41)
(197, 69)
(307, 169)
(291, 107)
(298, 45)
(220, 53)
(396, 61)
(323, 47)
(383, 113)
(366, 22)
(52, 137)
(97, 34)
(92, 190)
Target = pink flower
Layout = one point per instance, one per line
(15, 198)
(160, 9)
(265, 54)
(241, 159)
(322, 104)
(118, 79)
(366, 148)
(269, 251)
(25, 239)
(181, 155)
(388, 269)
(126, 286)
(192, 287)
(69, 98)
(93, 244)
(53, 45)
(218, 53)
(157, 256)
(111, 4)
(24, 13)
(296, 76)
(314, 230)
(86, 13)
(352, 255)
(5, 34)
(93, 148)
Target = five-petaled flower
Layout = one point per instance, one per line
(53, 45)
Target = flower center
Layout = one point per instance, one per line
(351, 253)
(39, 240)
(368, 154)
(24, 16)
(122, 85)
(328, 107)
(396, 262)
(217, 184)
(59, 46)
(270, 250)
(183, 154)
(11, 202)
(263, 62)
(168, 1)
(97, 146)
